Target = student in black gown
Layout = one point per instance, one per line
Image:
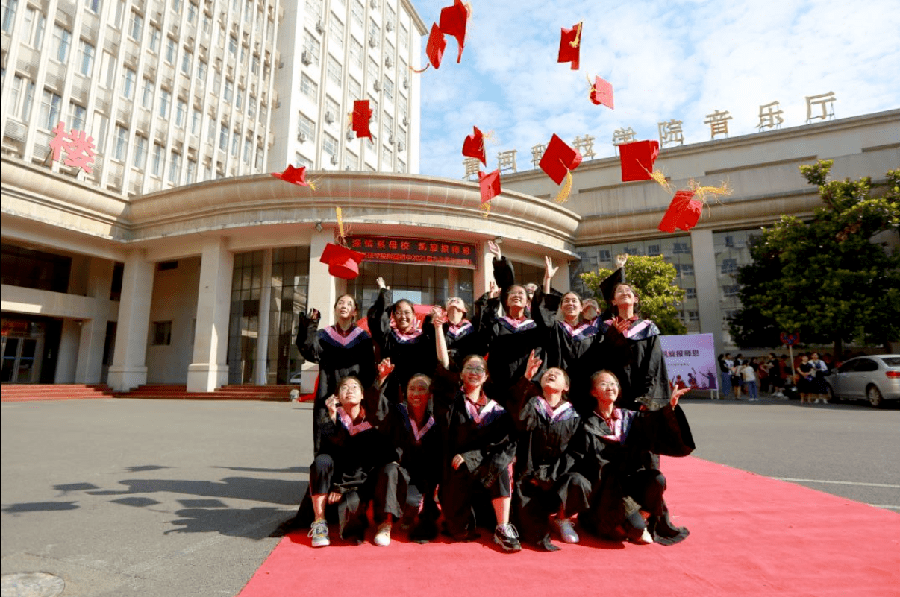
(548, 489)
(341, 350)
(463, 336)
(478, 447)
(570, 337)
(407, 484)
(511, 334)
(400, 338)
(618, 442)
(345, 472)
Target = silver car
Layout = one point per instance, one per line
(874, 378)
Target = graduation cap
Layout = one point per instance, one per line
(608, 285)
(362, 114)
(637, 159)
(684, 212)
(434, 49)
(294, 175)
(570, 46)
(453, 23)
(342, 262)
(558, 162)
(602, 93)
(490, 185)
(473, 146)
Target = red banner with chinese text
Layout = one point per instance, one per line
(417, 251)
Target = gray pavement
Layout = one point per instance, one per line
(175, 498)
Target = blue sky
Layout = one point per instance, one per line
(665, 60)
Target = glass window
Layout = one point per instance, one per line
(50, 109)
(229, 91)
(165, 98)
(175, 168)
(729, 266)
(154, 39)
(186, 60)
(136, 26)
(356, 53)
(129, 83)
(77, 116)
(232, 46)
(108, 67)
(195, 121)
(373, 70)
(180, 113)
(147, 95)
(120, 13)
(62, 40)
(604, 255)
(86, 62)
(247, 147)
(121, 142)
(329, 145)
(140, 151)
(680, 248)
(374, 32)
(358, 12)
(191, 171)
(33, 27)
(306, 128)
(311, 47)
(162, 333)
(158, 159)
(192, 12)
(336, 30)
(388, 89)
(404, 37)
(354, 89)
(223, 137)
(171, 50)
(335, 71)
(93, 5)
(235, 141)
(309, 88)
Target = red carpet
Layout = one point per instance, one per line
(750, 535)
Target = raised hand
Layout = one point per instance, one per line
(314, 315)
(384, 369)
(549, 270)
(494, 290)
(534, 364)
(494, 248)
(332, 403)
(678, 394)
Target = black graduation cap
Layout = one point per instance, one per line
(608, 286)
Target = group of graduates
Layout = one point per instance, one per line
(533, 409)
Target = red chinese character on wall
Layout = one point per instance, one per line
(404, 245)
(423, 246)
(433, 247)
(445, 248)
(466, 250)
(79, 147)
(369, 244)
(455, 250)
(381, 244)
(356, 242)
(393, 244)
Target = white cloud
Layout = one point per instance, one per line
(666, 61)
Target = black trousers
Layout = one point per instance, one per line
(533, 505)
(397, 494)
(352, 508)
(462, 489)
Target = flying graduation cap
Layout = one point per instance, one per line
(637, 159)
(342, 262)
(601, 93)
(434, 49)
(453, 23)
(570, 46)
(473, 146)
(558, 162)
(684, 212)
(295, 176)
(362, 114)
(490, 185)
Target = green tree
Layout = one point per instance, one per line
(654, 282)
(833, 278)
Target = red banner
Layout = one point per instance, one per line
(419, 251)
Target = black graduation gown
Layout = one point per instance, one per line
(487, 447)
(338, 356)
(570, 348)
(545, 461)
(357, 458)
(410, 354)
(636, 359)
(609, 463)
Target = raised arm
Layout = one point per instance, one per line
(379, 315)
(307, 336)
(549, 272)
(438, 317)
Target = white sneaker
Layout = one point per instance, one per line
(383, 536)
(567, 530)
(644, 539)
(319, 534)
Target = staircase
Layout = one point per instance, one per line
(74, 391)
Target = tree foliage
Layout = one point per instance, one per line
(832, 278)
(654, 281)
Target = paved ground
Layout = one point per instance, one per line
(171, 498)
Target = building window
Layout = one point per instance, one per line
(192, 12)
(331, 108)
(136, 27)
(306, 129)
(93, 5)
(175, 168)
(373, 70)
(147, 95)
(235, 143)
(358, 12)
(388, 89)
(229, 91)
(180, 113)
(191, 171)
(86, 62)
(33, 27)
(232, 46)
(195, 121)
(165, 98)
(354, 89)
(154, 39)
(157, 165)
(171, 50)
(162, 333)
(336, 29)
(247, 147)
(335, 71)
(356, 53)
(62, 40)
(729, 240)
(300, 161)
(731, 290)
(309, 88)
(140, 151)
(690, 293)
(374, 31)
(729, 266)
(128, 87)
(329, 145)
(653, 250)
(186, 60)
(77, 116)
(680, 248)
(687, 269)
(693, 315)
(120, 13)
(51, 105)
(99, 127)
(223, 137)
(121, 143)
(604, 255)
(311, 47)
(404, 37)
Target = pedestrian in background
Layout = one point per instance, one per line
(748, 375)
(725, 365)
(820, 387)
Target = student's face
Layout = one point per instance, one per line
(350, 394)
(590, 309)
(605, 389)
(404, 316)
(554, 380)
(345, 308)
(474, 372)
(623, 296)
(516, 297)
(418, 392)
(571, 305)
(455, 305)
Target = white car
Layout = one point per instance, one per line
(874, 378)
(296, 378)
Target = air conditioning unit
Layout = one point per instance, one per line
(320, 26)
(334, 160)
(388, 62)
(389, 26)
(391, 140)
(329, 117)
(374, 4)
(350, 136)
(373, 42)
(405, 83)
(405, 121)
(376, 85)
(301, 136)
(401, 146)
(305, 58)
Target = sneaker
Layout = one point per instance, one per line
(383, 536)
(644, 539)
(506, 537)
(567, 530)
(319, 533)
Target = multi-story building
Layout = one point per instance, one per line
(332, 53)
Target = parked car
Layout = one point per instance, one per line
(874, 378)
(296, 379)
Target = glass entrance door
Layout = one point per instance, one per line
(19, 359)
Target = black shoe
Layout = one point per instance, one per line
(506, 537)
(545, 545)
(423, 532)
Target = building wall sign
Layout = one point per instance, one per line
(416, 251)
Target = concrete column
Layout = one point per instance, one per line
(705, 275)
(323, 287)
(93, 331)
(68, 352)
(209, 369)
(260, 376)
(484, 270)
(129, 368)
(561, 280)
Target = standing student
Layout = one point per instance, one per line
(748, 377)
(725, 365)
(463, 336)
(624, 488)
(344, 473)
(478, 447)
(548, 490)
(400, 338)
(341, 350)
